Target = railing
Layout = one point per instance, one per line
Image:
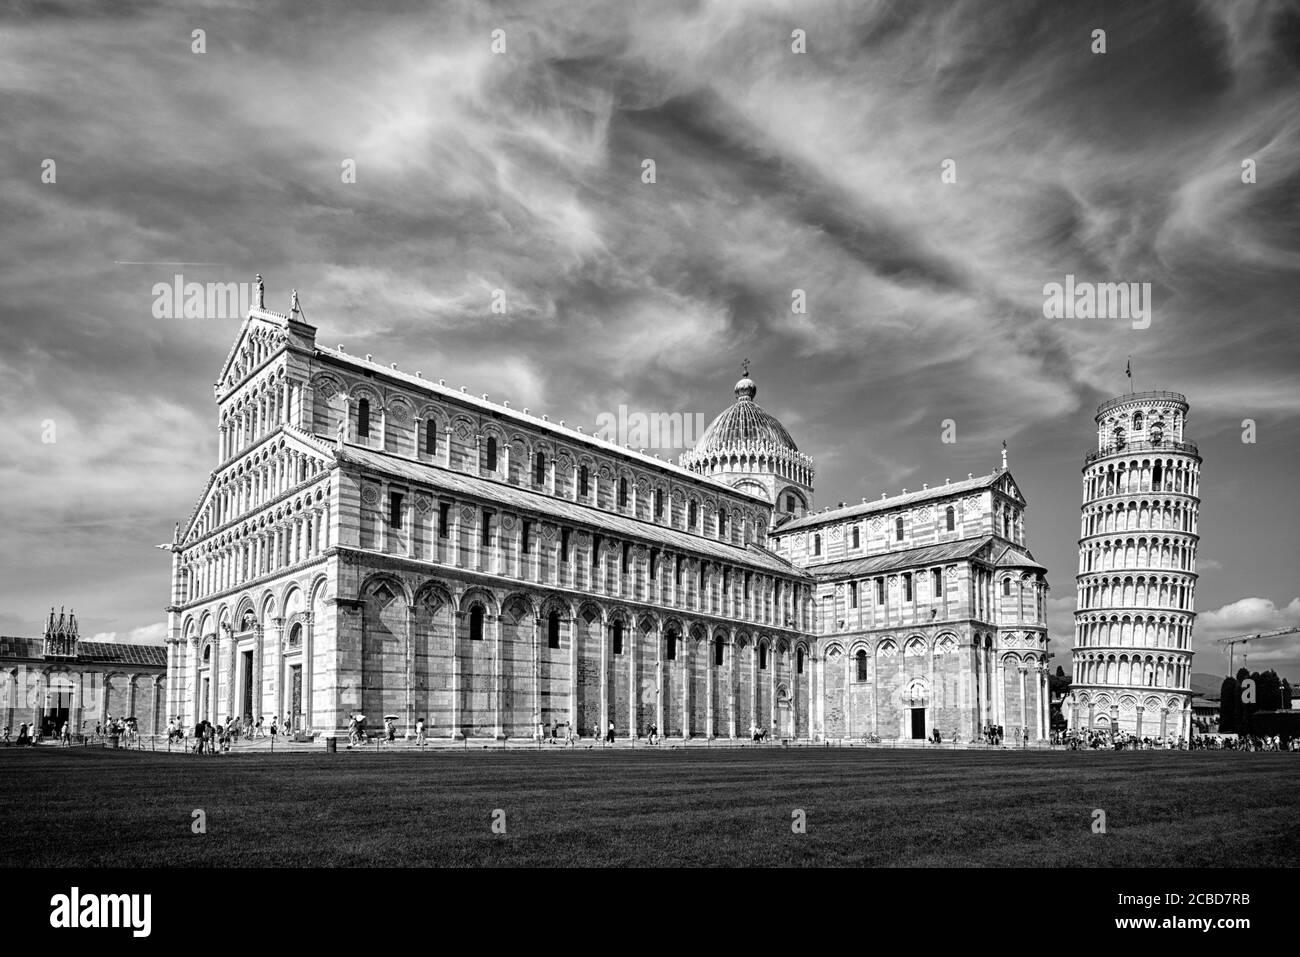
(1168, 445)
(1119, 400)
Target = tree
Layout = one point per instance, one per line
(1228, 701)
(1286, 695)
(1270, 691)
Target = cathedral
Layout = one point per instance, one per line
(372, 541)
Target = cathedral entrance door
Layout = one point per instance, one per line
(247, 696)
(295, 695)
(918, 724)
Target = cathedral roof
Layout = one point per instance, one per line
(744, 426)
(88, 652)
(977, 483)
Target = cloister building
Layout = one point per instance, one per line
(1137, 570)
(60, 679)
(373, 541)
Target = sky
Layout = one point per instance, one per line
(919, 171)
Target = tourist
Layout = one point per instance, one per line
(555, 732)
(22, 735)
(609, 738)
(275, 728)
(419, 732)
(390, 730)
(568, 734)
(5, 736)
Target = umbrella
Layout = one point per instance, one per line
(390, 717)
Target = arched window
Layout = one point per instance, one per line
(1137, 421)
(617, 639)
(363, 418)
(717, 652)
(431, 436)
(817, 544)
(798, 661)
(539, 468)
(951, 516)
(691, 514)
(476, 623)
(583, 480)
(722, 523)
(659, 503)
(857, 537)
(1119, 437)
(898, 529)
(622, 493)
(907, 586)
(1006, 524)
(670, 652)
(862, 665)
(553, 630)
(295, 634)
(491, 454)
(762, 657)
(1006, 587)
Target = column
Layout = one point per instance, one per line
(498, 680)
(709, 675)
(730, 651)
(277, 686)
(659, 678)
(573, 666)
(78, 697)
(753, 681)
(999, 694)
(1023, 716)
(771, 689)
(457, 624)
(130, 696)
(259, 657)
(537, 672)
(410, 671)
(605, 626)
(631, 642)
(308, 672)
(684, 653)
(1140, 711)
(1164, 723)
(932, 712)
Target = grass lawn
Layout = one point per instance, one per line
(88, 807)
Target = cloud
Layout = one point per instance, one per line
(155, 634)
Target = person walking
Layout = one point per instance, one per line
(568, 734)
(419, 732)
(609, 737)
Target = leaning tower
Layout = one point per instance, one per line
(1137, 570)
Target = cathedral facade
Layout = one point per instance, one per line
(373, 541)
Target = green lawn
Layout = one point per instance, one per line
(621, 807)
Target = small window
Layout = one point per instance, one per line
(476, 623)
(659, 503)
(564, 544)
(618, 638)
(595, 550)
(627, 553)
(654, 561)
(1137, 421)
(553, 630)
(485, 528)
(880, 591)
(444, 519)
(907, 586)
(395, 509)
(524, 536)
(722, 523)
(1006, 587)
(677, 570)
(363, 418)
(853, 594)
(670, 652)
(583, 481)
(295, 635)
(798, 661)
(951, 517)
(491, 454)
(622, 493)
(817, 544)
(431, 436)
(857, 537)
(692, 512)
(747, 577)
(762, 657)
(862, 665)
(898, 529)
(936, 582)
(717, 652)
(539, 468)
(789, 503)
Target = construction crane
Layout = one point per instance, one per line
(1229, 643)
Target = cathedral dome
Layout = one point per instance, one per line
(744, 425)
